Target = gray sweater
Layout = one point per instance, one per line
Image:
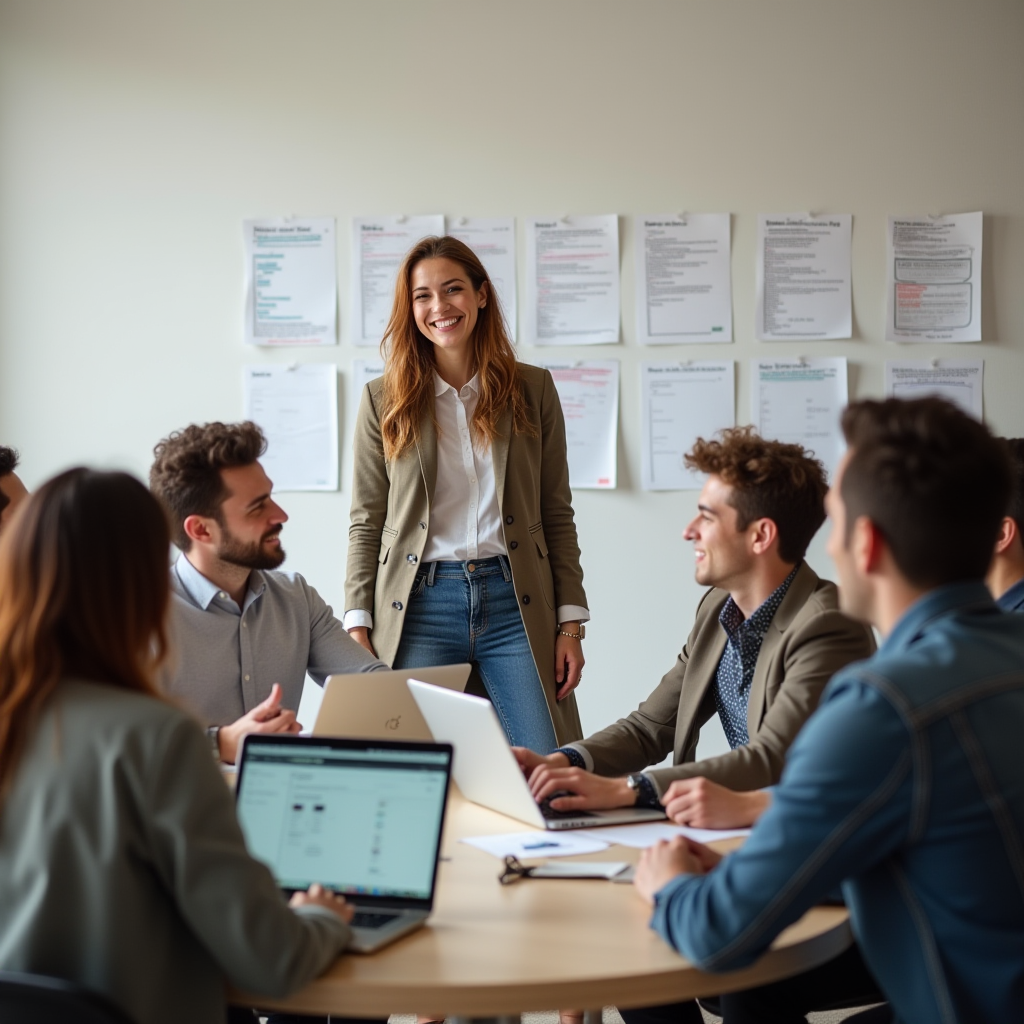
(122, 867)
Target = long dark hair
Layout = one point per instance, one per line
(83, 592)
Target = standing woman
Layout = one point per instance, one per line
(462, 544)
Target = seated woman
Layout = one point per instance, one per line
(122, 865)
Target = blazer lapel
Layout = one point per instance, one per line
(700, 674)
(799, 591)
(426, 448)
(499, 454)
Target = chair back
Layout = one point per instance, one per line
(37, 999)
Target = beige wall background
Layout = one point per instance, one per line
(134, 138)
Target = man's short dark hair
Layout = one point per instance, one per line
(933, 480)
(769, 480)
(1015, 510)
(185, 475)
(8, 464)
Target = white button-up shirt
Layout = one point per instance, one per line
(465, 520)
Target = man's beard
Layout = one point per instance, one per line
(250, 556)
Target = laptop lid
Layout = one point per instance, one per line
(362, 817)
(485, 769)
(379, 705)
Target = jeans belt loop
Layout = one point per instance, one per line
(505, 568)
(430, 574)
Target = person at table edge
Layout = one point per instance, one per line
(246, 632)
(767, 638)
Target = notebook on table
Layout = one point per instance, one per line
(361, 817)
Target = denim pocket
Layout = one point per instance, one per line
(418, 584)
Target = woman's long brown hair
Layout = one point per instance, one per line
(83, 592)
(407, 396)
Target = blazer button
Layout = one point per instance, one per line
(510, 520)
(411, 558)
(397, 605)
(423, 526)
(513, 544)
(526, 598)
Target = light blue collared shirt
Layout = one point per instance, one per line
(228, 658)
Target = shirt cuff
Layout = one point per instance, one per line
(647, 795)
(579, 751)
(571, 613)
(356, 617)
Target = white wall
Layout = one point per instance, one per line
(134, 137)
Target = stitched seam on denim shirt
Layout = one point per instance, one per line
(921, 788)
(927, 939)
(835, 839)
(996, 804)
(969, 694)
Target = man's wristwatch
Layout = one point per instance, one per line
(576, 636)
(646, 794)
(213, 735)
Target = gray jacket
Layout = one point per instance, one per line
(122, 867)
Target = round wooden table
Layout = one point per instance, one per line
(493, 950)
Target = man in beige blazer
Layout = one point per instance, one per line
(768, 636)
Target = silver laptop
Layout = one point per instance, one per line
(379, 705)
(362, 817)
(487, 771)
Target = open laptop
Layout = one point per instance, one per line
(362, 817)
(487, 771)
(379, 705)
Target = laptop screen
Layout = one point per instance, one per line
(361, 817)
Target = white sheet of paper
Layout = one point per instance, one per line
(800, 402)
(537, 844)
(363, 371)
(680, 402)
(572, 280)
(297, 407)
(641, 836)
(291, 281)
(683, 280)
(589, 393)
(959, 380)
(933, 292)
(803, 277)
(493, 239)
(379, 245)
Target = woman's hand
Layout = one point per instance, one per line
(568, 662)
(362, 636)
(316, 895)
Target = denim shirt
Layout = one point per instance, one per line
(906, 787)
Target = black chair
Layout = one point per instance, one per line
(36, 999)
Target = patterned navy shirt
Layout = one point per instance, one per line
(739, 659)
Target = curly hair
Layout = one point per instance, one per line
(932, 479)
(185, 476)
(8, 464)
(769, 480)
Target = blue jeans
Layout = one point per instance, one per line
(469, 611)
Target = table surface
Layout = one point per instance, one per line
(491, 950)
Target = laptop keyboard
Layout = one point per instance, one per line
(367, 919)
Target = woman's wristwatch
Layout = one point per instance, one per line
(576, 636)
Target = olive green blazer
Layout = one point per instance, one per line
(391, 512)
(808, 641)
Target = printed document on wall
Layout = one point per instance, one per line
(589, 393)
(493, 239)
(803, 277)
(378, 246)
(933, 291)
(363, 371)
(959, 380)
(679, 403)
(799, 401)
(572, 281)
(291, 282)
(684, 288)
(297, 407)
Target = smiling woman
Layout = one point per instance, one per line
(462, 539)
